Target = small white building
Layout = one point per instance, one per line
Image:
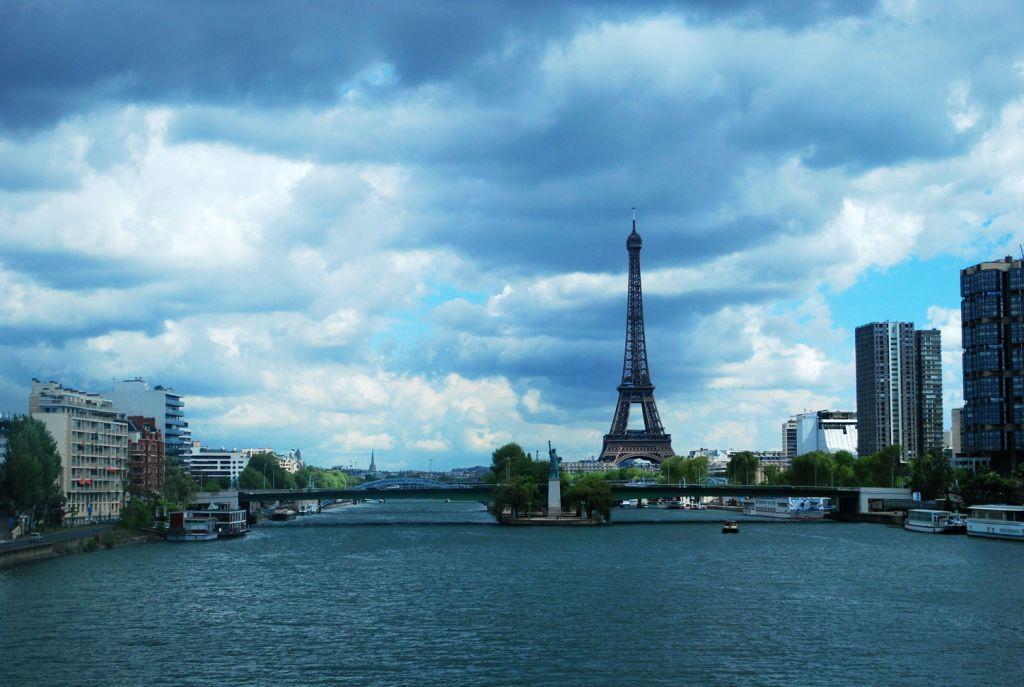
(826, 430)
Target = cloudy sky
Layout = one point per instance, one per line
(401, 225)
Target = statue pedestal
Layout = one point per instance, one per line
(554, 497)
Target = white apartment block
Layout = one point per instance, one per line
(203, 463)
(92, 439)
(135, 397)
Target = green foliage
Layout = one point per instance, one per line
(251, 479)
(688, 470)
(990, 488)
(108, 539)
(266, 465)
(28, 483)
(841, 469)
(92, 544)
(519, 493)
(590, 494)
(179, 487)
(742, 468)
(322, 479)
(931, 475)
(137, 514)
(511, 461)
(212, 483)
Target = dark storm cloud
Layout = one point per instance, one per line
(57, 58)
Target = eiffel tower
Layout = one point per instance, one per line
(621, 443)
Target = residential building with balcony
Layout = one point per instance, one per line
(92, 439)
(145, 456)
(134, 397)
(899, 388)
(789, 437)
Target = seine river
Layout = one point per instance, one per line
(342, 599)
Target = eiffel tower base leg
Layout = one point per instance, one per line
(618, 448)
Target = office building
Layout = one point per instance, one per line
(993, 340)
(955, 431)
(899, 388)
(134, 397)
(145, 457)
(92, 439)
(826, 430)
(789, 438)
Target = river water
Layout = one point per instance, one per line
(433, 594)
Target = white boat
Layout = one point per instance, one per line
(998, 521)
(788, 508)
(935, 521)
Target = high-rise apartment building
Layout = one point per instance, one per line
(956, 419)
(145, 456)
(929, 390)
(899, 388)
(92, 439)
(134, 397)
(992, 318)
(789, 438)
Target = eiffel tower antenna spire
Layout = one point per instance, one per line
(636, 389)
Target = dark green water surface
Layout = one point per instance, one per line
(342, 599)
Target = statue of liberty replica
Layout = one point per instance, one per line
(554, 484)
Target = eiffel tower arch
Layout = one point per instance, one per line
(636, 392)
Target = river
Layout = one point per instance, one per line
(418, 593)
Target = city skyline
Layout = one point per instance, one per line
(378, 246)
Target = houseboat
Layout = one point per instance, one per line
(282, 514)
(184, 526)
(998, 521)
(229, 523)
(788, 508)
(934, 521)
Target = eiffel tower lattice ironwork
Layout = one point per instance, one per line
(621, 443)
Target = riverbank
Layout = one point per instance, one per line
(91, 540)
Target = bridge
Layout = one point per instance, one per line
(845, 498)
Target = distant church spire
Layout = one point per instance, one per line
(373, 464)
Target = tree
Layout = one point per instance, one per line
(211, 484)
(590, 494)
(518, 493)
(266, 463)
(742, 468)
(29, 480)
(179, 487)
(511, 461)
(137, 514)
(989, 488)
(250, 478)
(931, 475)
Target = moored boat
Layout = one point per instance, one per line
(186, 527)
(788, 508)
(282, 514)
(934, 521)
(996, 521)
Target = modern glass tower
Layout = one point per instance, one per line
(993, 339)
